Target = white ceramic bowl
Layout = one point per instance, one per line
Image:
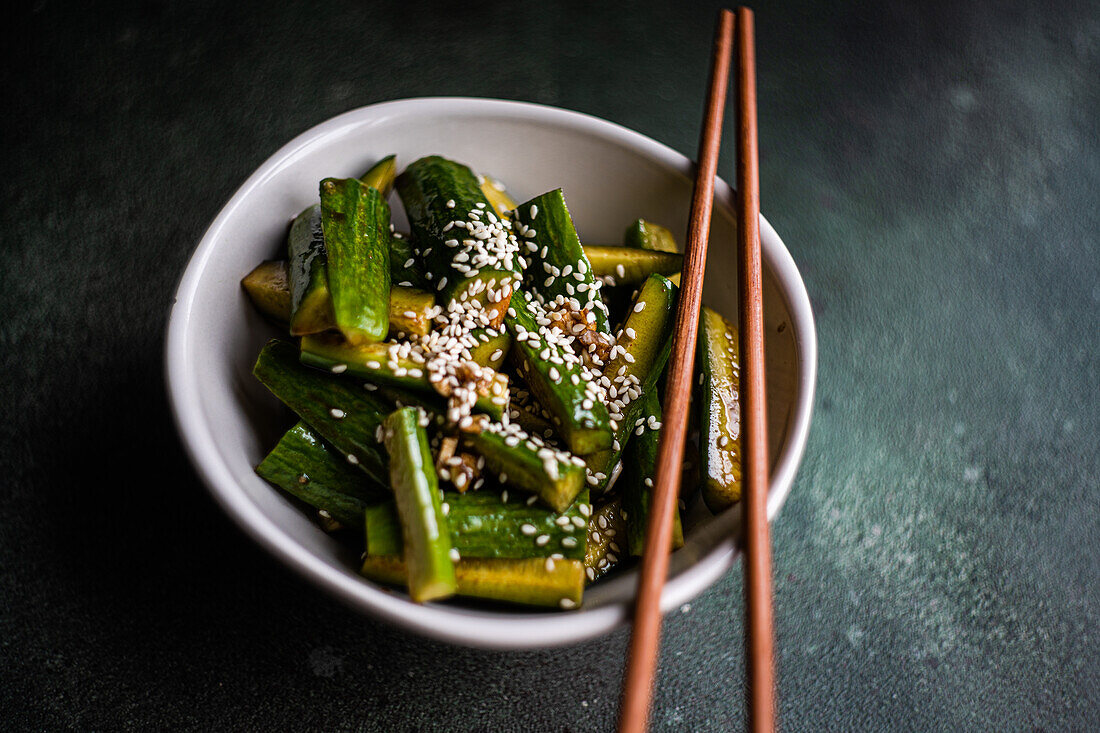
(611, 176)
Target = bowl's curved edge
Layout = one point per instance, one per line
(483, 630)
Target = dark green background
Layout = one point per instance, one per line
(935, 171)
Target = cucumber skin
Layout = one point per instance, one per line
(719, 415)
(522, 581)
(356, 220)
(310, 300)
(526, 470)
(401, 251)
(425, 187)
(640, 463)
(424, 529)
(657, 292)
(483, 526)
(484, 352)
(554, 231)
(312, 394)
(532, 422)
(584, 429)
(381, 176)
(332, 484)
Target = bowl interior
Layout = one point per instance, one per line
(610, 177)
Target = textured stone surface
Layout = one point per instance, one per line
(935, 171)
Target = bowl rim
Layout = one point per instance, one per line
(478, 628)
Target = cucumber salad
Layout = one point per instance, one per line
(478, 400)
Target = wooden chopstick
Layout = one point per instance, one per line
(642, 655)
(759, 634)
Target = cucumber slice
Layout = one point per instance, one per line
(343, 413)
(646, 338)
(498, 196)
(639, 468)
(556, 262)
(382, 364)
(303, 466)
(642, 234)
(720, 416)
(355, 220)
(532, 419)
(483, 525)
(381, 175)
(424, 530)
(268, 286)
(606, 529)
(521, 460)
(493, 347)
(310, 301)
(530, 582)
(628, 266)
(555, 378)
(410, 311)
(467, 250)
(554, 476)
